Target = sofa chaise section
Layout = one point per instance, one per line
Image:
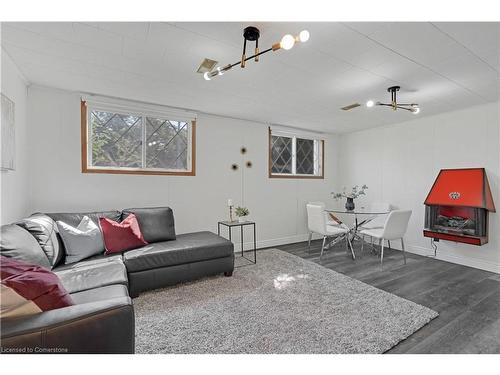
(188, 257)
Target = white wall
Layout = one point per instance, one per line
(14, 184)
(277, 205)
(399, 164)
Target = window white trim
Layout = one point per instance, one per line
(287, 131)
(148, 109)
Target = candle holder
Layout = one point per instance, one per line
(231, 213)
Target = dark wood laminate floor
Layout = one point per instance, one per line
(467, 299)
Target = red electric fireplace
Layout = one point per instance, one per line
(457, 206)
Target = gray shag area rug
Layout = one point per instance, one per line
(283, 304)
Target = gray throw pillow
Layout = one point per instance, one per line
(156, 223)
(44, 229)
(18, 243)
(81, 242)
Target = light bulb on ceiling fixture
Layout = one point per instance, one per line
(370, 103)
(415, 110)
(251, 34)
(304, 36)
(287, 42)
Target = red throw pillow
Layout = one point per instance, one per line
(29, 289)
(122, 236)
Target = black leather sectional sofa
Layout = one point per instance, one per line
(102, 319)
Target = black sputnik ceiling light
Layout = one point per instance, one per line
(412, 107)
(251, 34)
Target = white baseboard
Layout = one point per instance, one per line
(457, 259)
(248, 245)
(451, 258)
(419, 250)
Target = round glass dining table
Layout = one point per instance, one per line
(357, 212)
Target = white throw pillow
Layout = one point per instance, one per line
(81, 242)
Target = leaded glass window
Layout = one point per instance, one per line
(167, 143)
(131, 141)
(305, 156)
(294, 156)
(116, 139)
(281, 154)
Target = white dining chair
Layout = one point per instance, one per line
(394, 228)
(317, 223)
(329, 219)
(377, 221)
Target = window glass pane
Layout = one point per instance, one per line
(305, 156)
(166, 144)
(281, 151)
(116, 139)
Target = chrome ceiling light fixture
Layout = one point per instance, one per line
(252, 34)
(412, 107)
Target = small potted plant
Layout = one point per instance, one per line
(355, 192)
(242, 213)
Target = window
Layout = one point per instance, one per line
(295, 156)
(118, 139)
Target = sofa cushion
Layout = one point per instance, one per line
(119, 237)
(186, 248)
(44, 229)
(92, 261)
(29, 289)
(157, 223)
(81, 242)
(100, 294)
(74, 218)
(18, 243)
(92, 273)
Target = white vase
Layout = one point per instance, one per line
(242, 219)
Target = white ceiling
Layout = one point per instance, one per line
(441, 66)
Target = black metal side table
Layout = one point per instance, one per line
(230, 225)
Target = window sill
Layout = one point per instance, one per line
(297, 176)
(138, 172)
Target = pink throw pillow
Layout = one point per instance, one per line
(119, 237)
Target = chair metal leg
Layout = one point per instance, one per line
(309, 242)
(322, 247)
(382, 254)
(389, 243)
(403, 247)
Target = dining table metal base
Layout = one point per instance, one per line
(348, 240)
(353, 234)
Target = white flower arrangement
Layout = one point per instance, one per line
(356, 192)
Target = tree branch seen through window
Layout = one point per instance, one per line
(120, 142)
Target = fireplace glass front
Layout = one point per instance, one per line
(465, 221)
